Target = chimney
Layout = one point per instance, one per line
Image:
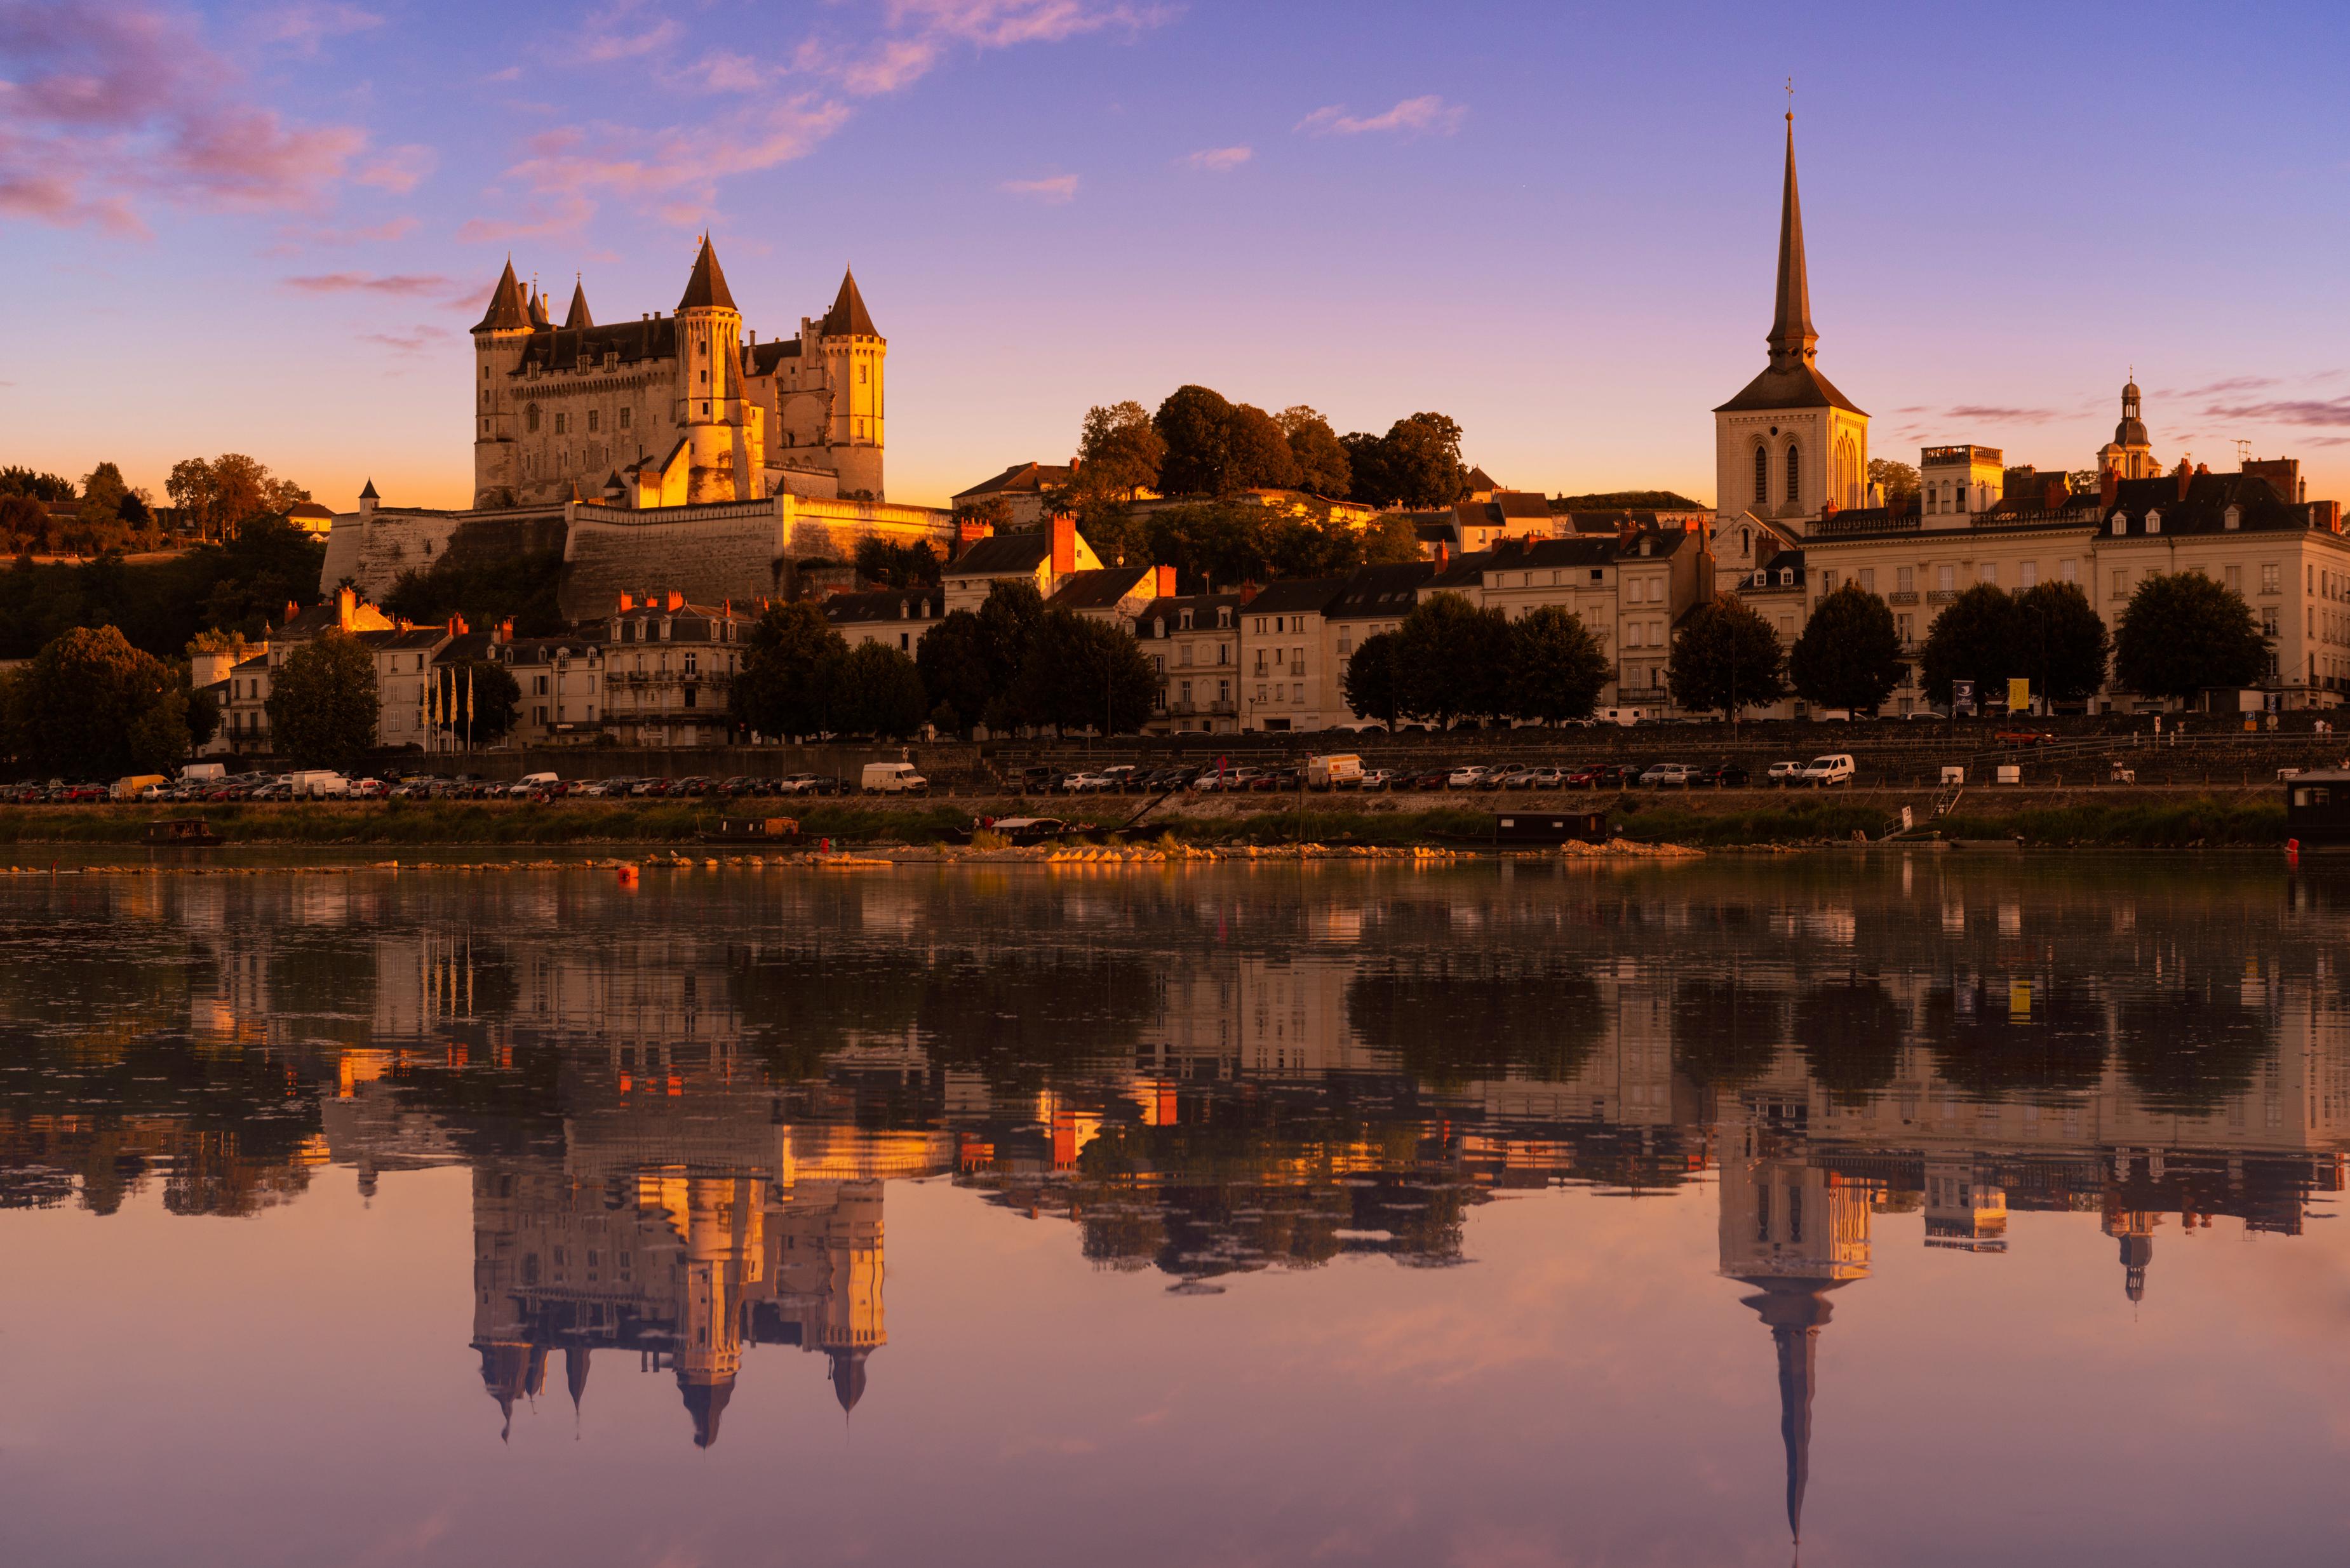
(627, 603)
(2109, 490)
(1165, 586)
(1064, 545)
(505, 629)
(2184, 477)
(1829, 509)
(347, 604)
(676, 600)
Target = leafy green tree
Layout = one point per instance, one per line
(24, 523)
(1895, 481)
(890, 564)
(1322, 466)
(1390, 540)
(951, 660)
(1849, 655)
(17, 480)
(1368, 479)
(216, 497)
(1084, 674)
(1453, 660)
(91, 706)
(1622, 500)
(1311, 548)
(875, 690)
(1211, 543)
(495, 699)
(1369, 680)
(1257, 452)
(780, 691)
(203, 719)
(1008, 620)
(1417, 463)
(1119, 450)
(267, 565)
(1976, 638)
(485, 586)
(2064, 641)
(1195, 423)
(2183, 633)
(1556, 668)
(323, 702)
(1726, 658)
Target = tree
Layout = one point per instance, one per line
(1556, 668)
(875, 690)
(1256, 453)
(1311, 548)
(1895, 481)
(1390, 540)
(219, 496)
(1119, 450)
(780, 690)
(1624, 500)
(1453, 660)
(1974, 639)
(1369, 682)
(2183, 633)
(1085, 674)
(483, 698)
(2064, 641)
(203, 719)
(17, 480)
(951, 660)
(1421, 460)
(323, 703)
(890, 564)
(1322, 466)
(1369, 480)
(1210, 542)
(1726, 658)
(1195, 423)
(24, 523)
(91, 706)
(1008, 620)
(1849, 655)
(103, 494)
(267, 565)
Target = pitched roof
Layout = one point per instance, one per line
(1170, 609)
(1464, 571)
(1791, 337)
(508, 312)
(1481, 480)
(706, 289)
(1390, 590)
(1099, 588)
(1296, 594)
(2203, 509)
(538, 308)
(884, 604)
(1523, 504)
(1579, 550)
(368, 493)
(560, 347)
(1020, 478)
(1002, 555)
(577, 316)
(848, 315)
(765, 357)
(1796, 386)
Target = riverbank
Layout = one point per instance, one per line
(2144, 819)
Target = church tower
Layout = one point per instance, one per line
(498, 340)
(723, 427)
(2129, 455)
(854, 357)
(1790, 448)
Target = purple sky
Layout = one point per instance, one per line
(266, 227)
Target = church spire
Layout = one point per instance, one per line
(1792, 338)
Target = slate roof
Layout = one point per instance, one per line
(560, 347)
(1296, 596)
(848, 315)
(765, 357)
(507, 312)
(1100, 588)
(885, 603)
(706, 289)
(1002, 555)
(1021, 478)
(1203, 608)
(577, 316)
(1389, 590)
(1795, 385)
(1582, 550)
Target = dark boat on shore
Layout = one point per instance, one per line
(180, 833)
(756, 832)
(2317, 808)
(1017, 831)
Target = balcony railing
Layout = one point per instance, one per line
(1941, 595)
(1902, 597)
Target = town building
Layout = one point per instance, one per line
(1019, 491)
(560, 683)
(1192, 641)
(1289, 676)
(668, 665)
(1045, 557)
(894, 617)
(1114, 594)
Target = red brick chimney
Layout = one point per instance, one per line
(2109, 489)
(1064, 545)
(457, 626)
(676, 600)
(1248, 592)
(2184, 478)
(1165, 586)
(627, 603)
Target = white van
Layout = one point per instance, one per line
(316, 784)
(1836, 768)
(203, 773)
(1624, 716)
(1343, 771)
(529, 782)
(894, 778)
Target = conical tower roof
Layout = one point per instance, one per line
(848, 315)
(706, 289)
(1792, 338)
(506, 312)
(538, 316)
(577, 316)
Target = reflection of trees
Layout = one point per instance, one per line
(1982, 1044)
(1478, 1015)
(1850, 1036)
(799, 1005)
(2189, 1048)
(325, 975)
(1726, 1033)
(1020, 1016)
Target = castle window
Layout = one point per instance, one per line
(860, 375)
(1762, 476)
(592, 420)
(562, 424)
(624, 419)
(530, 418)
(1795, 474)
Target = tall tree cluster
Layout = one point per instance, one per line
(1450, 660)
(2049, 634)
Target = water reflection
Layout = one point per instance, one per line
(681, 1106)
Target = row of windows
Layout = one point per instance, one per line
(1762, 475)
(566, 423)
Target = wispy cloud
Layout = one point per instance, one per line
(722, 70)
(1426, 115)
(399, 170)
(1995, 413)
(414, 341)
(2288, 411)
(2230, 384)
(104, 109)
(674, 171)
(615, 33)
(1218, 159)
(1055, 191)
(404, 283)
(918, 34)
(305, 27)
(292, 237)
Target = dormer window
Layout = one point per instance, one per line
(2121, 523)
(1786, 576)
(1225, 616)
(1158, 626)
(2233, 518)
(1185, 619)
(2153, 522)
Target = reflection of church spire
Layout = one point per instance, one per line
(575, 1370)
(511, 1371)
(1795, 1311)
(848, 1377)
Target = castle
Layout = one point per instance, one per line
(669, 410)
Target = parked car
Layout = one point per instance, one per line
(1088, 784)
(1376, 779)
(1467, 778)
(1432, 778)
(1669, 776)
(1543, 778)
(1836, 768)
(1785, 774)
(1501, 778)
(1724, 775)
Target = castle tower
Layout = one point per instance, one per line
(722, 1253)
(498, 340)
(1790, 446)
(720, 424)
(855, 354)
(852, 1328)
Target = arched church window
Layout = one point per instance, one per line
(1762, 473)
(1794, 474)
(530, 418)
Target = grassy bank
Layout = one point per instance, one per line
(2204, 820)
(462, 822)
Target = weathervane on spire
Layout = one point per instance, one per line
(1790, 100)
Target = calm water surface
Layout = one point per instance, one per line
(1946, 1211)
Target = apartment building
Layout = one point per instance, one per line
(667, 668)
(1193, 642)
(561, 681)
(1289, 676)
(894, 617)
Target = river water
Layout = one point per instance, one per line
(1945, 1210)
